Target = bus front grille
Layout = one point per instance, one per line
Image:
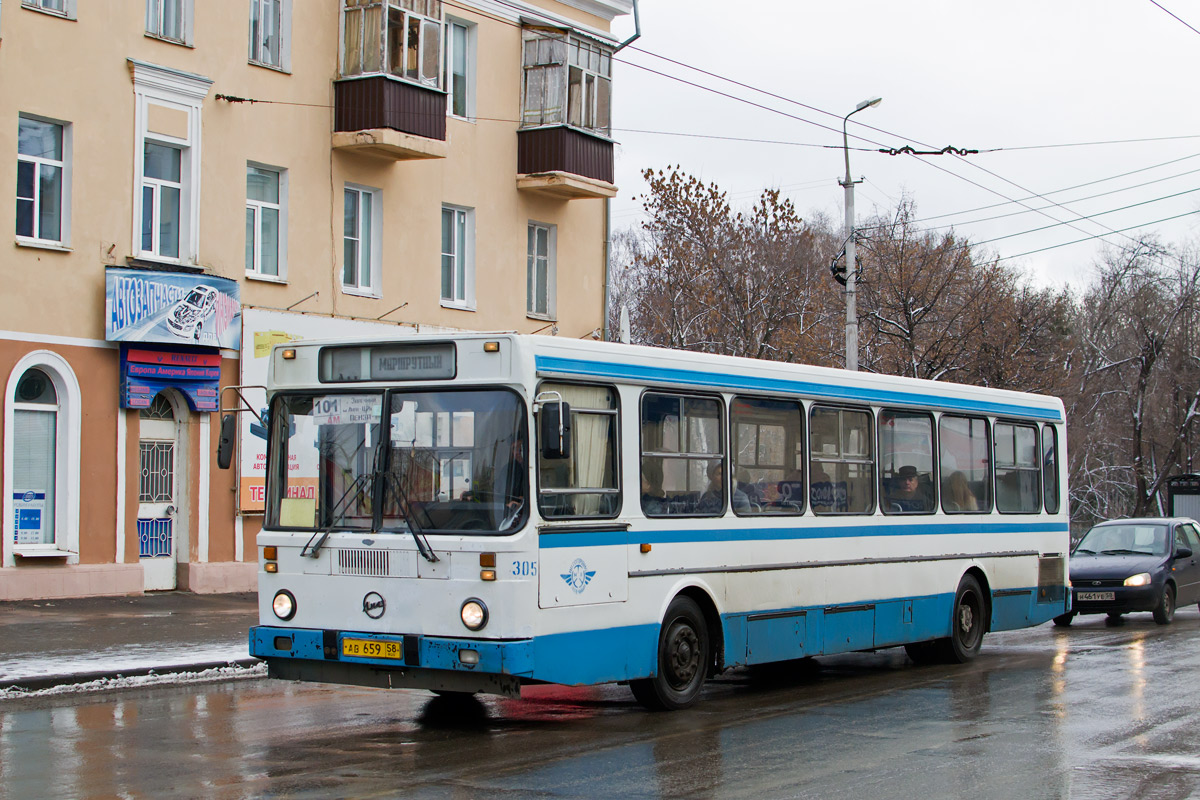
(364, 563)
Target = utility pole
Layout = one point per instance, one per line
(851, 267)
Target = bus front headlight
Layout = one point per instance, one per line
(1142, 579)
(284, 604)
(474, 614)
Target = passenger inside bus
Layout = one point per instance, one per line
(654, 500)
(905, 493)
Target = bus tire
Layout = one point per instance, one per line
(683, 656)
(923, 652)
(968, 622)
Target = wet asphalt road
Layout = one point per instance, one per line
(1094, 711)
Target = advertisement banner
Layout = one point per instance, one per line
(146, 306)
(262, 330)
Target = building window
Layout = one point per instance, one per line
(402, 38)
(170, 20)
(568, 79)
(166, 180)
(460, 69)
(270, 33)
(41, 179)
(361, 240)
(41, 466)
(458, 268)
(162, 187)
(265, 222)
(540, 278)
(63, 8)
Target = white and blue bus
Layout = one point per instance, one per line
(476, 512)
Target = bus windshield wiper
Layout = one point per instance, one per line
(413, 528)
(313, 548)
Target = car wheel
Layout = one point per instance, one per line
(1164, 612)
(1064, 620)
(683, 657)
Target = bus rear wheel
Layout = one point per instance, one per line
(683, 656)
(968, 623)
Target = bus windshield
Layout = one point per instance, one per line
(395, 461)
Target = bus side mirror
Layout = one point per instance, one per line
(554, 430)
(225, 445)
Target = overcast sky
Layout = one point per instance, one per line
(1008, 75)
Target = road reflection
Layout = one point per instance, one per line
(1087, 711)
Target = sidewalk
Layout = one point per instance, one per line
(45, 643)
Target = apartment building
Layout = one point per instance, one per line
(192, 181)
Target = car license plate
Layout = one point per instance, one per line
(372, 648)
(1095, 597)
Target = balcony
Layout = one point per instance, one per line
(565, 163)
(387, 118)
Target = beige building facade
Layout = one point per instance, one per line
(192, 181)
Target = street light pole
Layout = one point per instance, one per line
(851, 267)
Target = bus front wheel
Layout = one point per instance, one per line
(683, 656)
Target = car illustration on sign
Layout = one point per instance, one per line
(187, 317)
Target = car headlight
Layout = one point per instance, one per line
(1141, 579)
(474, 614)
(284, 604)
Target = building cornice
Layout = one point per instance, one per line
(166, 79)
(516, 10)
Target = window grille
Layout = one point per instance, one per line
(158, 472)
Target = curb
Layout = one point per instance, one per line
(37, 682)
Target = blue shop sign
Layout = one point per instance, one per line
(146, 371)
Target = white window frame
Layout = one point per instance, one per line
(67, 459)
(156, 186)
(181, 91)
(67, 11)
(551, 287)
(257, 51)
(154, 20)
(282, 207)
(464, 295)
(64, 230)
(372, 287)
(470, 30)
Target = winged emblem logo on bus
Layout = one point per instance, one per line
(579, 576)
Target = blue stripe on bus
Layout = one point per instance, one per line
(601, 369)
(594, 539)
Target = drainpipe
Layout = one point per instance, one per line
(604, 332)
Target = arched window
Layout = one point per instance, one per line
(35, 427)
(41, 459)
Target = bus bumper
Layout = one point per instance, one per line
(415, 662)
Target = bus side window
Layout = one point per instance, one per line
(1050, 469)
(963, 460)
(1018, 489)
(768, 456)
(683, 460)
(842, 468)
(585, 484)
(906, 462)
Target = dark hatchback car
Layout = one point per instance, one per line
(1126, 565)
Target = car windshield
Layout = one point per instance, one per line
(1127, 539)
(434, 462)
(194, 297)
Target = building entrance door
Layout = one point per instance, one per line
(157, 445)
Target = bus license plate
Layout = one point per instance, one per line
(372, 648)
(1095, 597)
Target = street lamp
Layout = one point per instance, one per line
(851, 268)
